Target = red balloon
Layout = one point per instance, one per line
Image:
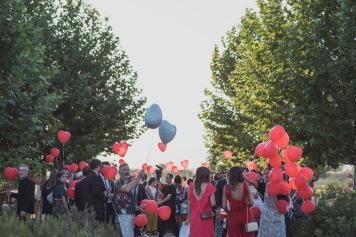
(276, 133)
(49, 158)
(205, 164)
(164, 212)
(252, 175)
(54, 152)
(175, 169)
(144, 166)
(162, 146)
(270, 150)
(222, 215)
(256, 212)
(109, 172)
(150, 206)
(251, 165)
(82, 165)
(228, 154)
(291, 169)
(307, 172)
(35, 180)
(123, 149)
(72, 184)
(282, 206)
(284, 141)
(285, 188)
(292, 183)
(305, 193)
(276, 175)
(169, 165)
(275, 162)
(285, 157)
(184, 163)
(273, 188)
(294, 153)
(135, 173)
(73, 167)
(143, 203)
(300, 181)
(67, 167)
(70, 193)
(63, 136)
(116, 147)
(121, 162)
(307, 207)
(141, 220)
(150, 169)
(259, 151)
(10, 173)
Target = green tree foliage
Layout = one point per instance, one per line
(290, 63)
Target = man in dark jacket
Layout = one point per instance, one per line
(25, 195)
(81, 191)
(97, 191)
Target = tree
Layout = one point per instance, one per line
(26, 105)
(294, 64)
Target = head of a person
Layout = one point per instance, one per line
(169, 178)
(105, 163)
(23, 171)
(178, 180)
(52, 180)
(61, 177)
(152, 182)
(202, 175)
(95, 165)
(265, 173)
(236, 176)
(189, 181)
(184, 178)
(86, 171)
(124, 170)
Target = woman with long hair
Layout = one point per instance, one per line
(151, 192)
(201, 201)
(47, 189)
(179, 199)
(237, 195)
(60, 199)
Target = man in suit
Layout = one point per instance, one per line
(97, 191)
(25, 195)
(81, 191)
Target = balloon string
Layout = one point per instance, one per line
(150, 149)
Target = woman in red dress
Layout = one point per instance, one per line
(239, 198)
(201, 200)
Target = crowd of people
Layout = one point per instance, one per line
(210, 205)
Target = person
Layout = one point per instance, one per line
(272, 223)
(47, 189)
(26, 194)
(60, 198)
(219, 224)
(152, 194)
(201, 201)
(97, 191)
(141, 195)
(236, 195)
(124, 200)
(179, 199)
(168, 198)
(109, 211)
(81, 191)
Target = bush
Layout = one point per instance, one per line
(334, 216)
(75, 225)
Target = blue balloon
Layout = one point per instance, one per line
(167, 131)
(153, 116)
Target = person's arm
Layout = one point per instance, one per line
(165, 199)
(250, 198)
(212, 200)
(224, 200)
(149, 193)
(128, 187)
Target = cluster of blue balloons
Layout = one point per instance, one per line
(153, 120)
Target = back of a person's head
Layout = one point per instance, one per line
(94, 164)
(202, 176)
(177, 180)
(105, 163)
(86, 171)
(235, 175)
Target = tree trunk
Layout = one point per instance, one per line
(355, 173)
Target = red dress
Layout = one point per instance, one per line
(237, 217)
(199, 227)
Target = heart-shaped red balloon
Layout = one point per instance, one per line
(64, 136)
(141, 220)
(70, 193)
(150, 169)
(116, 147)
(67, 167)
(49, 158)
(122, 149)
(228, 154)
(175, 169)
(82, 165)
(164, 212)
(73, 167)
(54, 152)
(109, 172)
(162, 146)
(10, 173)
(169, 165)
(121, 162)
(184, 163)
(144, 166)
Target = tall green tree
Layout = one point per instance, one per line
(27, 123)
(290, 63)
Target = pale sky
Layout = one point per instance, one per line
(170, 45)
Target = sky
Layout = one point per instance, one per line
(170, 44)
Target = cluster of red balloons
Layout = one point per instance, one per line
(120, 148)
(63, 137)
(151, 206)
(298, 176)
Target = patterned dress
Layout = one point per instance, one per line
(272, 222)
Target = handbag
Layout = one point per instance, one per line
(205, 215)
(252, 226)
(184, 230)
